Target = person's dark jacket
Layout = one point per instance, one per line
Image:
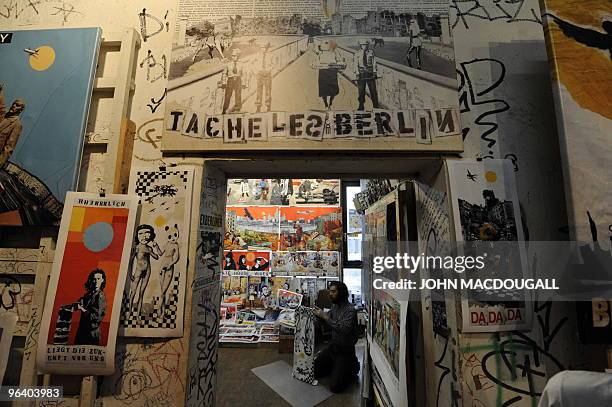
(343, 323)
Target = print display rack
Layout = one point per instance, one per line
(25, 272)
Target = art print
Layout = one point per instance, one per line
(386, 321)
(289, 299)
(310, 228)
(316, 192)
(302, 73)
(243, 191)
(153, 305)
(387, 339)
(246, 263)
(234, 289)
(46, 81)
(434, 240)
(82, 307)
(486, 209)
(251, 228)
(8, 323)
(228, 313)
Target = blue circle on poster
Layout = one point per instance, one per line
(98, 236)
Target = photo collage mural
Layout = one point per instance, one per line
(277, 230)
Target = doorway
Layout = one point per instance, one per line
(207, 294)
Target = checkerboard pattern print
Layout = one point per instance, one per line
(158, 317)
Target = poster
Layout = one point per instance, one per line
(316, 192)
(279, 283)
(242, 191)
(310, 228)
(386, 314)
(434, 240)
(234, 289)
(153, 303)
(252, 228)
(295, 74)
(228, 313)
(313, 264)
(46, 81)
(246, 263)
(7, 330)
(486, 208)
(289, 299)
(82, 307)
(387, 338)
(578, 39)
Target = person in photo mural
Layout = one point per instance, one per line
(232, 80)
(330, 63)
(264, 80)
(366, 73)
(416, 43)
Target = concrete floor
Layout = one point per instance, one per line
(237, 386)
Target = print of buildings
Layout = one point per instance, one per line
(492, 221)
(387, 24)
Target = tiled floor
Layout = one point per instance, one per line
(237, 386)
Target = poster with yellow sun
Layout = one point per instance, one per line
(487, 222)
(81, 315)
(46, 82)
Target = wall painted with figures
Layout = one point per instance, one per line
(506, 112)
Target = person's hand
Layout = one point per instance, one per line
(320, 313)
(80, 307)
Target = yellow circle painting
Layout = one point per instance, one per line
(43, 58)
(490, 176)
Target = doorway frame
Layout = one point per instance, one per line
(208, 230)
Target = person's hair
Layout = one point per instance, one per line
(143, 227)
(241, 258)
(343, 293)
(90, 285)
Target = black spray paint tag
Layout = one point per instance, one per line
(6, 38)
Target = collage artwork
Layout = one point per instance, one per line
(276, 231)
